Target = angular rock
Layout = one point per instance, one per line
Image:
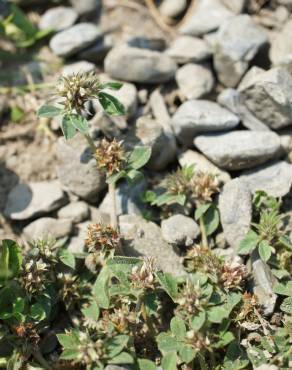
(143, 238)
(34, 199)
(238, 41)
(150, 43)
(190, 157)
(194, 80)
(172, 8)
(236, 6)
(78, 67)
(128, 200)
(147, 66)
(197, 116)
(151, 133)
(281, 48)
(180, 230)
(58, 18)
(263, 283)
(235, 206)
(86, 7)
(239, 149)
(77, 169)
(188, 49)
(275, 178)
(206, 16)
(76, 212)
(268, 95)
(47, 226)
(74, 39)
(232, 100)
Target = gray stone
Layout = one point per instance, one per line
(78, 67)
(232, 100)
(239, 149)
(34, 199)
(206, 16)
(143, 238)
(172, 8)
(263, 283)
(190, 157)
(235, 206)
(127, 200)
(180, 230)
(198, 116)
(268, 95)
(281, 48)
(266, 366)
(87, 7)
(287, 3)
(275, 178)
(238, 41)
(74, 39)
(115, 367)
(98, 51)
(77, 211)
(236, 6)
(147, 66)
(150, 43)
(47, 226)
(286, 140)
(58, 18)
(77, 169)
(194, 80)
(151, 133)
(188, 49)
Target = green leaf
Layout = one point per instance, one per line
(18, 305)
(284, 240)
(249, 243)
(167, 343)
(265, 250)
(169, 199)
(111, 86)
(111, 105)
(22, 22)
(169, 361)
(284, 289)
(101, 288)
(10, 259)
(37, 312)
(69, 340)
(139, 157)
(92, 311)
(67, 258)
(16, 114)
(49, 111)
(115, 177)
(217, 314)
(178, 328)
(134, 176)
(200, 211)
(286, 306)
(235, 358)
(168, 283)
(198, 321)
(211, 220)
(224, 339)
(122, 358)
(69, 354)
(146, 365)
(187, 353)
(80, 123)
(115, 345)
(69, 131)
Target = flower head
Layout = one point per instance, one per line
(101, 238)
(110, 156)
(143, 277)
(203, 185)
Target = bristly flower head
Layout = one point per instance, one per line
(110, 156)
(203, 185)
(144, 276)
(178, 182)
(101, 238)
(233, 275)
(34, 276)
(77, 89)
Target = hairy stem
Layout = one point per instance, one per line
(203, 232)
(114, 217)
(40, 359)
(90, 142)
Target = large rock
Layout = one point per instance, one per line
(180, 230)
(34, 199)
(232, 100)
(201, 163)
(274, 178)
(239, 149)
(236, 6)
(47, 227)
(151, 133)
(78, 67)
(237, 42)
(188, 49)
(58, 18)
(143, 238)
(206, 16)
(235, 206)
(281, 47)
(97, 51)
(146, 66)
(198, 116)
(87, 7)
(268, 95)
(74, 39)
(76, 212)
(77, 169)
(172, 8)
(194, 80)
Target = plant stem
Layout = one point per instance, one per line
(114, 217)
(202, 362)
(203, 232)
(40, 359)
(90, 142)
